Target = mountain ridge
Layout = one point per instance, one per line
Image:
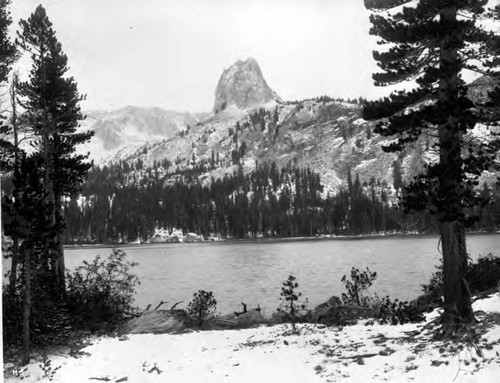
(326, 135)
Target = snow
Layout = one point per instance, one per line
(359, 121)
(361, 353)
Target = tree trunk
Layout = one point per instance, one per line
(27, 306)
(13, 266)
(457, 299)
(60, 265)
(17, 194)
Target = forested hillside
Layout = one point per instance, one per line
(121, 205)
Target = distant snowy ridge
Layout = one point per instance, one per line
(126, 129)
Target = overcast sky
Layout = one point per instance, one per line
(171, 53)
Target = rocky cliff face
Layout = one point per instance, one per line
(242, 85)
(479, 90)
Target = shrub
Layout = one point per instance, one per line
(360, 282)
(202, 306)
(102, 290)
(394, 312)
(12, 318)
(482, 275)
(435, 285)
(50, 320)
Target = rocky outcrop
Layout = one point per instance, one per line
(427, 302)
(478, 91)
(250, 318)
(328, 312)
(157, 322)
(176, 321)
(243, 86)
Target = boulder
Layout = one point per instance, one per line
(224, 322)
(327, 312)
(157, 322)
(250, 318)
(426, 302)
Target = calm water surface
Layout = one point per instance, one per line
(252, 272)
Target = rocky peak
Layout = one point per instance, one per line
(242, 85)
(478, 91)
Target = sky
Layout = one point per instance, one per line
(171, 53)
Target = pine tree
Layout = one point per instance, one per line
(431, 42)
(51, 102)
(8, 54)
(7, 48)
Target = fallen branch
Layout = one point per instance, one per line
(104, 379)
(358, 356)
(161, 303)
(174, 306)
(236, 313)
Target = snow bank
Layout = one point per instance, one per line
(176, 236)
(360, 353)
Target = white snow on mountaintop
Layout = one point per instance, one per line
(359, 353)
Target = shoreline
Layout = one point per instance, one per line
(271, 240)
(314, 353)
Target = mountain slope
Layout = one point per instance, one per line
(130, 127)
(328, 136)
(252, 126)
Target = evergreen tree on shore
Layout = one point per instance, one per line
(41, 178)
(431, 42)
(51, 102)
(8, 53)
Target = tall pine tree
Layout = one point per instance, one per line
(8, 132)
(430, 43)
(8, 55)
(51, 102)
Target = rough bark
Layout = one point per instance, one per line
(457, 302)
(457, 299)
(27, 307)
(13, 266)
(59, 253)
(17, 196)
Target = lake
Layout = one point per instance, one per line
(252, 272)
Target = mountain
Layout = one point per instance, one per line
(126, 129)
(261, 168)
(325, 135)
(243, 86)
(251, 125)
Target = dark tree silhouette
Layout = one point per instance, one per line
(52, 111)
(431, 43)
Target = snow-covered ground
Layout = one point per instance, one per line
(360, 353)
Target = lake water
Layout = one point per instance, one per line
(252, 272)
